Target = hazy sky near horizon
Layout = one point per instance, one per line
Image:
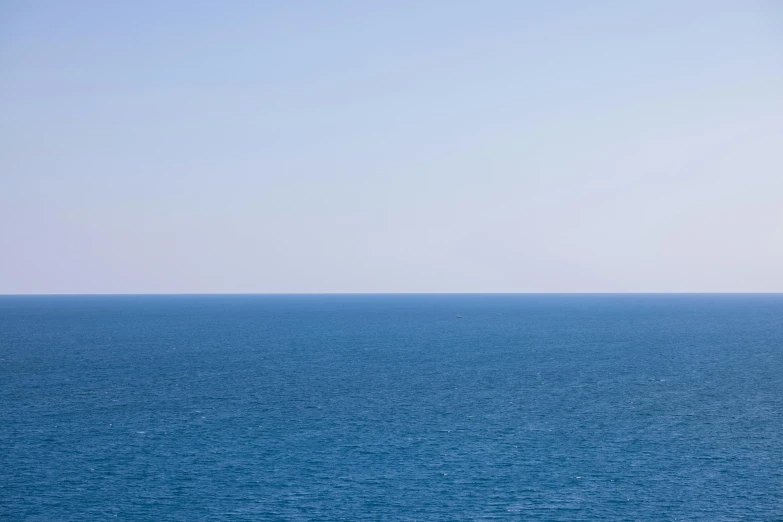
(351, 146)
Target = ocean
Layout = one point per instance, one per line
(390, 407)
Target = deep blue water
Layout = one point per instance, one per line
(529, 407)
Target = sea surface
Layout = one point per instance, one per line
(390, 407)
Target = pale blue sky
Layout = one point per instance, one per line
(353, 146)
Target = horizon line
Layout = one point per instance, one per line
(185, 294)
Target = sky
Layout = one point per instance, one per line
(391, 146)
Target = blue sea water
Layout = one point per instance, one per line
(389, 407)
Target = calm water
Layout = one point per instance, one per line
(390, 407)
